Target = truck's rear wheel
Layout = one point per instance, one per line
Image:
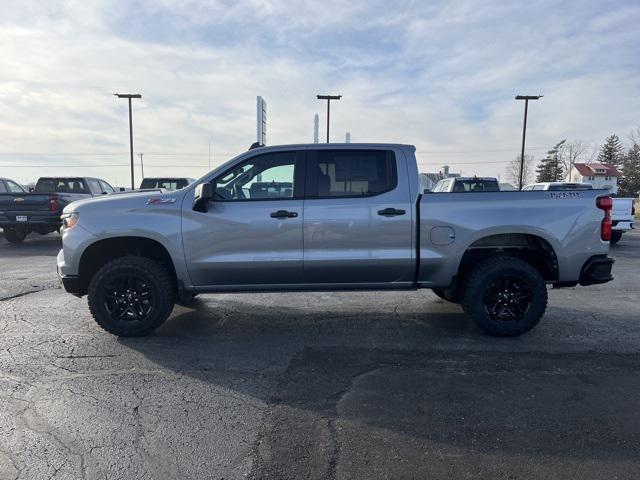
(15, 234)
(505, 296)
(616, 235)
(131, 296)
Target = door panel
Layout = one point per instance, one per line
(357, 239)
(252, 234)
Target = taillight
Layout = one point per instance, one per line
(606, 204)
(53, 203)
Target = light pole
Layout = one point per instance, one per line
(328, 98)
(129, 96)
(526, 99)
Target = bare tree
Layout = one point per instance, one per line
(512, 173)
(573, 152)
(634, 136)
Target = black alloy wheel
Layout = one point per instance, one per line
(507, 298)
(131, 296)
(128, 298)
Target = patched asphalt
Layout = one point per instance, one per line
(317, 385)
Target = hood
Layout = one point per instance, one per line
(119, 200)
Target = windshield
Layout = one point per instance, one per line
(61, 185)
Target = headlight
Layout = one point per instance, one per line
(69, 220)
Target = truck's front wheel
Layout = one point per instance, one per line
(505, 296)
(131, 296)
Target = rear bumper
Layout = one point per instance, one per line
(597, 270)
(50, 221)
(623, 225)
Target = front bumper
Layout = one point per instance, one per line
(597, 270)
(71, 284)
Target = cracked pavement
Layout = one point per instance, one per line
(316, 385)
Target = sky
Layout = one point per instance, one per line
(441, 75)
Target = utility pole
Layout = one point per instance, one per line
(328, 98)
(129, 96)
(526, 99)
(141, 165)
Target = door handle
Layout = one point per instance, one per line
(283, 214)
(391, 212)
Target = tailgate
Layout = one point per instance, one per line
(621, 209)
(24, 204)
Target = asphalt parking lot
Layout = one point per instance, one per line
(326, 385)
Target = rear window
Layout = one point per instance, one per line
(166, 183)
(353, 173)
(478, 185)
(60, 185)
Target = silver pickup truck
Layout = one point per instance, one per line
(331, 217)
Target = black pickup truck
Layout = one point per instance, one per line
(22, 212)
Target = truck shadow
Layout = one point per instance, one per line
(427, 386)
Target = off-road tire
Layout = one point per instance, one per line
(615, 237)
(15, 234)
(159, 282)
(447, 294)
(480, 279)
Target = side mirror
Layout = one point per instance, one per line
(31, 189)
(203, 193)
(122, 189)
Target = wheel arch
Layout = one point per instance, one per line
(102, 251)
(533, 248)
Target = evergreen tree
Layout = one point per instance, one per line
(612, 152)
(629, 185)
(551, 168)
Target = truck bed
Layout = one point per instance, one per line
(451, 224)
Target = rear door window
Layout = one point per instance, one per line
(351, 173)
(3, 189)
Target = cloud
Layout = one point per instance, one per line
(440, 75)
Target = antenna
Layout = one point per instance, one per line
(347, 137)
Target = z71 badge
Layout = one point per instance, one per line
(160, 201)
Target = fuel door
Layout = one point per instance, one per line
(442, 235)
